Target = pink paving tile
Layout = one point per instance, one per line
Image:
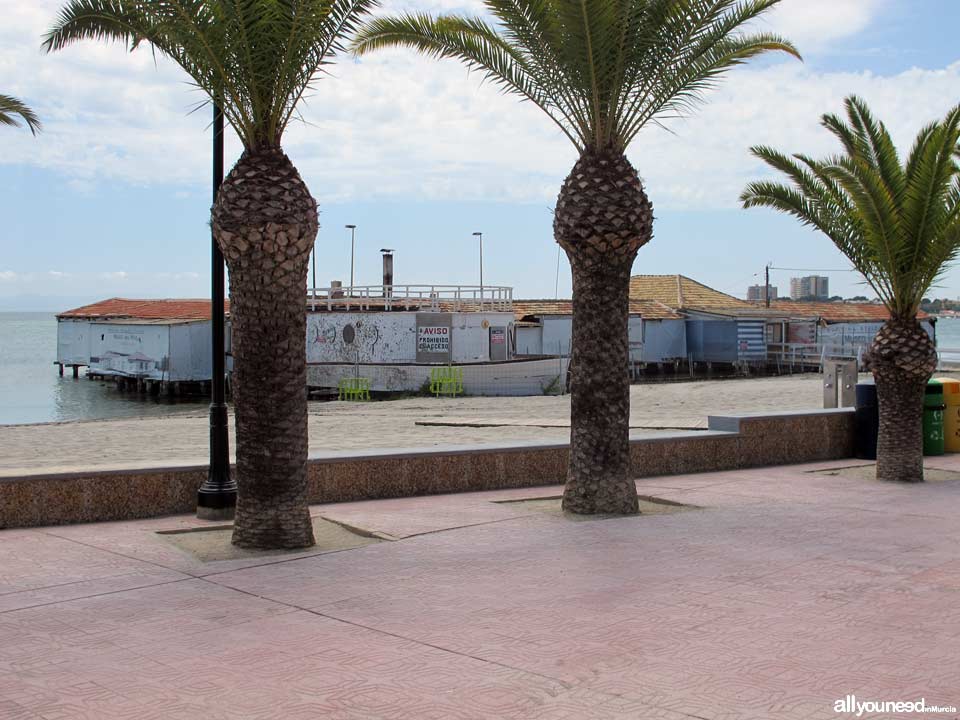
(406, 517)
(34, 561)
(140, 577)
(787, 591)
(139, 539)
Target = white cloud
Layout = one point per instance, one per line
(400, 125)
(814, 24)
(707, 163)
(57, 274)
(8, 276)
(177, 276)
(116, 275)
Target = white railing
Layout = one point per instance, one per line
(797, 355)
(950, 363)
(436, 298)
(805, 355)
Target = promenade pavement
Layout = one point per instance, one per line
(783, 591)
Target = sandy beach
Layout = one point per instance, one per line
(413, 422)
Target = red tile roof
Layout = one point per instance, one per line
(834, 312)
(649, 309)
(116, 308)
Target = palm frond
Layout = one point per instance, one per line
(476, 44)
(899, 224)
(601, 70)
(254, 58)
(14, 112)
(696, 42)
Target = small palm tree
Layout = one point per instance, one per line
(11, 109)
(899, 224)
(601, 70)
(255, 59)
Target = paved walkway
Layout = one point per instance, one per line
(785, 591)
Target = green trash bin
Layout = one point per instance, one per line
(933, 408)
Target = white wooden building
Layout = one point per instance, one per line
(393, 335)
(155, 340)
(656, 333)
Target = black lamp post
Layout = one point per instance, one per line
(480, 235)
(353, 238)
(217, 497)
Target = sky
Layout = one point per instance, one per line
(113, 197)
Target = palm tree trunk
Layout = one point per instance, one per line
(598, 477)
(902, 358)
(602, 218)
(266, 222)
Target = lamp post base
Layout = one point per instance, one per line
(208, 513)
(217, 497)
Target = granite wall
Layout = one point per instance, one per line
(731, 442)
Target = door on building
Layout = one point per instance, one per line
(498, 343)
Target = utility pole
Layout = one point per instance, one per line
(217, 497)
(766, 290)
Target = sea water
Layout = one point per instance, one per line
(948, 339)
(32, 391)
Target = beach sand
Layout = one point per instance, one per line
(412, 422)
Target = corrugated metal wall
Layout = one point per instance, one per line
(73, 341)
(664, 340)
(529, 340)
(712, 340)
(751, 342)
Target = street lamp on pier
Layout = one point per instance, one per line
(480, 235)
(353, 237)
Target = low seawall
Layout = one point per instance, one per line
(510, 378)
(731, 442)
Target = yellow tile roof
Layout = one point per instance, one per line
(649, 309)
(680, 292)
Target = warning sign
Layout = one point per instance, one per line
(434, 332)
(433, 339)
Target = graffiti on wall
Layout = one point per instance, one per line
(358, 337)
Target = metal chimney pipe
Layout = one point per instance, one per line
(387, 271)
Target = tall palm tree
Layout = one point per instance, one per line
(601, 70)
(256, 59)
(899, 224)
(13, 112)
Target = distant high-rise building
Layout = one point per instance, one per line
(810, 287)
(757, 293)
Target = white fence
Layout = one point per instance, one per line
(436, 298)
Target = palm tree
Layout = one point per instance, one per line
(255, 59)
(10, 108)
(601, 70)
(899, 225)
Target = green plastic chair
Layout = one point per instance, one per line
(446, 381)
(353, 389)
